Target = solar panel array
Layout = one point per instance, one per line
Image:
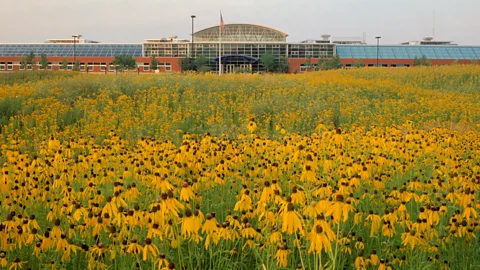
(94, 50)
(343, 51)
(408, 52)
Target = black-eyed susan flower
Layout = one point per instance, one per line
(3, 259)
(373, 260)
(210, 225)
(149, 250)
(162, 261)
(245, 202)
(360, 262)
(16, 264)
(282, 256)
(375, 222)
(291, 222)
(189, 225)
(318, 241)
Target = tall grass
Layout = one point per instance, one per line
(165, 105)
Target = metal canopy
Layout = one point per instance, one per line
(227, 57)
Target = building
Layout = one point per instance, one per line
(240, 46)
(429, 41)
(70, 41)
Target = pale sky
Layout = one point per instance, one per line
(132, 21)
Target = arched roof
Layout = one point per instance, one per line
(241, 32)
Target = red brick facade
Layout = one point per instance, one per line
(97, 64)
(294, 64)
(102, 64)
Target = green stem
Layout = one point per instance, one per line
(321, 265)
(190, 256)
(300, 254)
(336, 247)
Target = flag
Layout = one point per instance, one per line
(221, 30)
(222, 25)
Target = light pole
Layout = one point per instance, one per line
(193, 39)
(378, 43)
(75, 37)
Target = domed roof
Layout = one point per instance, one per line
(241, 32)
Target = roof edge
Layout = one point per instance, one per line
(258, 25)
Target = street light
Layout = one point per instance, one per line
(193, 43)
(378, 42)
(75, 37)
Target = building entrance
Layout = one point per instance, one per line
(235, 68)
(233, 63)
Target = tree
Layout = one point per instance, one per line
(43, 61)
(201, 64)
(31, 59)
(455, 62)
(268, 61)
(282, 66)
(204, 69)
(23, 62)
(76, 66)
(322, 64)
(124, 62)
(334, 63)
(154, 63)
(422, 61)
(328, 64)
(64, 64)
(358, 64)
(186, 63)
(308, 64)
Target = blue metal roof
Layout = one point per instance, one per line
(408, 52)
(50, 49)
(343, 51)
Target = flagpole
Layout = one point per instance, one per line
(220, 46)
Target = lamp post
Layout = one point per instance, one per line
(75, 37)
(378, 42)
(193, 39)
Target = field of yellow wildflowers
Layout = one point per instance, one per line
(350, 169)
